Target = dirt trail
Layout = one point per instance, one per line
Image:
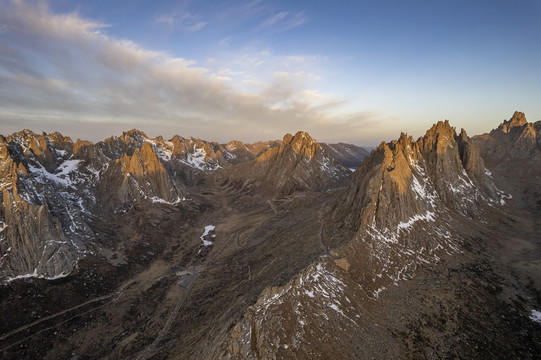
(27, 326)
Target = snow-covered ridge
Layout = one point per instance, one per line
(60, 177)
(197, 160)
(195, 156)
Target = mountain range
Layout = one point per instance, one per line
(135, 247)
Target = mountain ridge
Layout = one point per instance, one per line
(271, 250)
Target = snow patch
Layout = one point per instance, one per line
(326, 166)
(208, 229)
(61, 177)
(159, 200)
(36, 275)
(536, 316)
(335, 308)
(197, 160)
(67, 167)
(429, 216)
(423, 191)
(61, 152)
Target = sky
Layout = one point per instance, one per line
(359, 71)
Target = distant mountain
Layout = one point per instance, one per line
(513, 150)
(244, 152)
(298, 165)
(350, 156)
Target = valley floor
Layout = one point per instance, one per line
(476, 304)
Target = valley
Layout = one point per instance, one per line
(430, 249)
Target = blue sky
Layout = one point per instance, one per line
(353, 71)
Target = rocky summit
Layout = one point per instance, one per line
(145, 248)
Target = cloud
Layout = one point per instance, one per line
(274, 19)
(183, 20)
(197, 26)
(167, 19)
(63, 72)
(225, 41)
(284, 20)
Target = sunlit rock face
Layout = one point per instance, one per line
(299, 164)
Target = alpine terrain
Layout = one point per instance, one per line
(141, 248)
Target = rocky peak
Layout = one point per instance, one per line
(514, 139)
(134, 136)
(235, 145)
(398, 198)
(299, 164)
(513, 151)
(261, 146)
(302, 143)
(439, 137)
(138, 176)
(518, 120)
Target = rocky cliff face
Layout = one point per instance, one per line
(513, 152)
(406, 201)
(406, 178)
(38, 203)
(408, 205)
(514, 139)
(299, 164)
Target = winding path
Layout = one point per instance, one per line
(27, 326)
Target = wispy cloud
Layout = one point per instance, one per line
(197, 26)
(183, 20)
(284, 20)
(274, 19)
(225, 41)
(58, 70)
(167, 19)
